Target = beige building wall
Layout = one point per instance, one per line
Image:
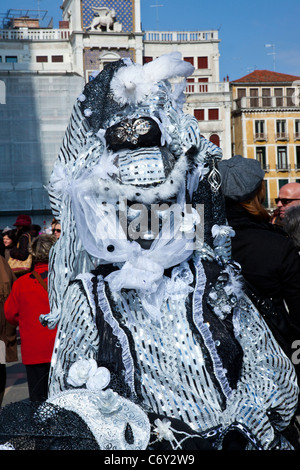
(265, 127)
(204, 92)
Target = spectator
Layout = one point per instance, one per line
(27, 301)
(20, 251)
(53, 223)
(268, 258)
(289, 195)
(34, 230)
(57, 230)
(2, 246)
(8, 339)
(291, 224)
(9, 241)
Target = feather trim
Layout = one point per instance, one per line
(131, 84)
(168, 66)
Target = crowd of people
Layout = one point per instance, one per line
(266, 252)
(24, 297)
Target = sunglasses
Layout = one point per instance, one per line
(284, 201)
(57, 230)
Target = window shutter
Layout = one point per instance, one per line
(202, 62)
(213, 114)
(199, 114)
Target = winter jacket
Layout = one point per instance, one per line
(20, 250)
(7, 331)
(26, 302)
(268, 259)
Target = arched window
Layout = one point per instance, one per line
(107, 57)
(215, 139)
(101, 61)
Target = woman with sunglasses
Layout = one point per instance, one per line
(57, 230)
(269, 260)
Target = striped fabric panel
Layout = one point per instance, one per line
(77, 337)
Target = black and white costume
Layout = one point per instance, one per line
(157, 345)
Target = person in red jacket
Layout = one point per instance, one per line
(27, 301)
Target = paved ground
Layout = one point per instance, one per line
(16, 382)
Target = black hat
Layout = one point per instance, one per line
(241, 177)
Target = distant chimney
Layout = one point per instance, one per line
(64, 25)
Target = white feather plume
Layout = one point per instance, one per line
(178, 95)
(131, 84)
(168, 66)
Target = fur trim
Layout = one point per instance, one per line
(235, 282)
(112, 190)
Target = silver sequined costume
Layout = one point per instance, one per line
(187, 344)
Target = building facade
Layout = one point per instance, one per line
(38, 86)
(43, 70)
(207, 98)
(266, 125)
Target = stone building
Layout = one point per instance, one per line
(43, 70)
(266, 125)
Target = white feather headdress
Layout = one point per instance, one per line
(131, 84)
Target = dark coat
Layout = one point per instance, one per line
(7, 331)
(268, 259)
(20, 250)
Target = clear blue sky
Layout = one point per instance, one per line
(244, 28)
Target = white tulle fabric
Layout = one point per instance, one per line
(103, 237)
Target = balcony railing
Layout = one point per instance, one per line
(248, 102)
(207, 87)
(283, 167)
(260, 136)
(297, 136)
(34, 34)
(181, 36)
(281, 136)
(265, 166)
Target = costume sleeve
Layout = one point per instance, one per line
(267, 393)
(11, 307)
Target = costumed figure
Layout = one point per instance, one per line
(157, 347)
